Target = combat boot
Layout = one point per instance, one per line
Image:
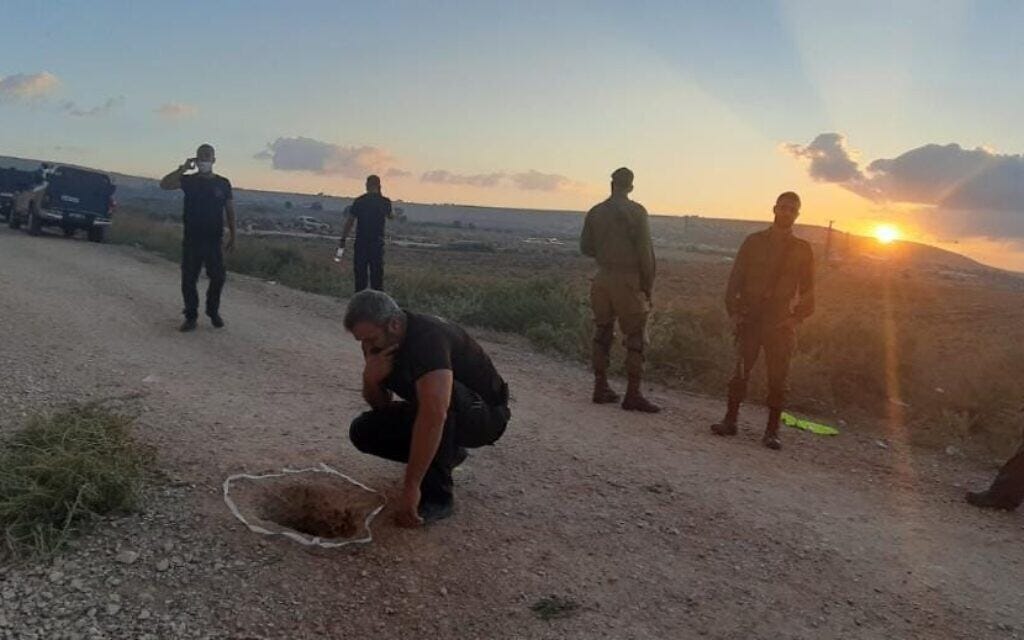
(727, 427)
(771, 430)
(988, 500)
(603, 394)
(635, 400)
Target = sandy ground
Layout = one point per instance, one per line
(654, 527)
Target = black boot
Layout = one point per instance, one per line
(771, 430)
(434, 511)
(635, 400)
(188, 325)
(988, 500)
(727, 427)
(216, 321)
(603, 393)
(460, 456)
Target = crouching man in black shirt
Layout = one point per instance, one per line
(451, 398)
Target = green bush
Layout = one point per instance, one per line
(61, 471)
(694, 346)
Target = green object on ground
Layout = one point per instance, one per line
(790, 420)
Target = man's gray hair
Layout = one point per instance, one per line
(375, 307)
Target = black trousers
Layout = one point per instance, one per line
(471, 422)
(368, 265)
(1008, 487)
(194, 256)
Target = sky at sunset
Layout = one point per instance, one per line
(897, 112)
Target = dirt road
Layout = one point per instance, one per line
(655, 528)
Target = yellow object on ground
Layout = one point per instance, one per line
(790, 420)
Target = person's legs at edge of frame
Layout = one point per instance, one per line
(191, 267)
(1007, 490)
(387, 433)
(778, 352)
(604, 334)
(748, 349)
(216, 272)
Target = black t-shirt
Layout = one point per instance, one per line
(205, 198)
(371, 211)
(433, 344)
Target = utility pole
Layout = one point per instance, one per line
(828, 241)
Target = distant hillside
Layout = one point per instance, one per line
(681, 233)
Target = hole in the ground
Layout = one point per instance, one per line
(315, 509)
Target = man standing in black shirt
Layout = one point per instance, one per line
(452, 398)
(369, 212)
(207, 199)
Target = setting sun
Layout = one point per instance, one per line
(887, 233)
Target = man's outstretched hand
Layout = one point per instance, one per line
(408, 508)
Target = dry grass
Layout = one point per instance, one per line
(63, 470)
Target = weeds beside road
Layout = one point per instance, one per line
(63, 470)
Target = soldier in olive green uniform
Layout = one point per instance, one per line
(773, 270)
(617, 235)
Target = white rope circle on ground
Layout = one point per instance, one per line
(310, 541)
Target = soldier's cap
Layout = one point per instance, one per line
(623, 176)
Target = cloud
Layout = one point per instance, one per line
(441, 176)
(973, 192)
(533, 180)
(176, 111)
(953, 177)
(829, 159)
(106, 108)
(397, 173)
(24, 87)
(314, 156)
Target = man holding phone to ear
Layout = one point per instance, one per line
(208, 198)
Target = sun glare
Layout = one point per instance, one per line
(887, 233)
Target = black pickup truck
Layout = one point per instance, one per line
(74, 199)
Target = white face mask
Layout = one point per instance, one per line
(204, 166)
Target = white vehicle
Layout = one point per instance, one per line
(309, 224)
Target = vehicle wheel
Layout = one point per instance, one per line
(35, 224)
(14, 222)
(68, 233)
(96, 234)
